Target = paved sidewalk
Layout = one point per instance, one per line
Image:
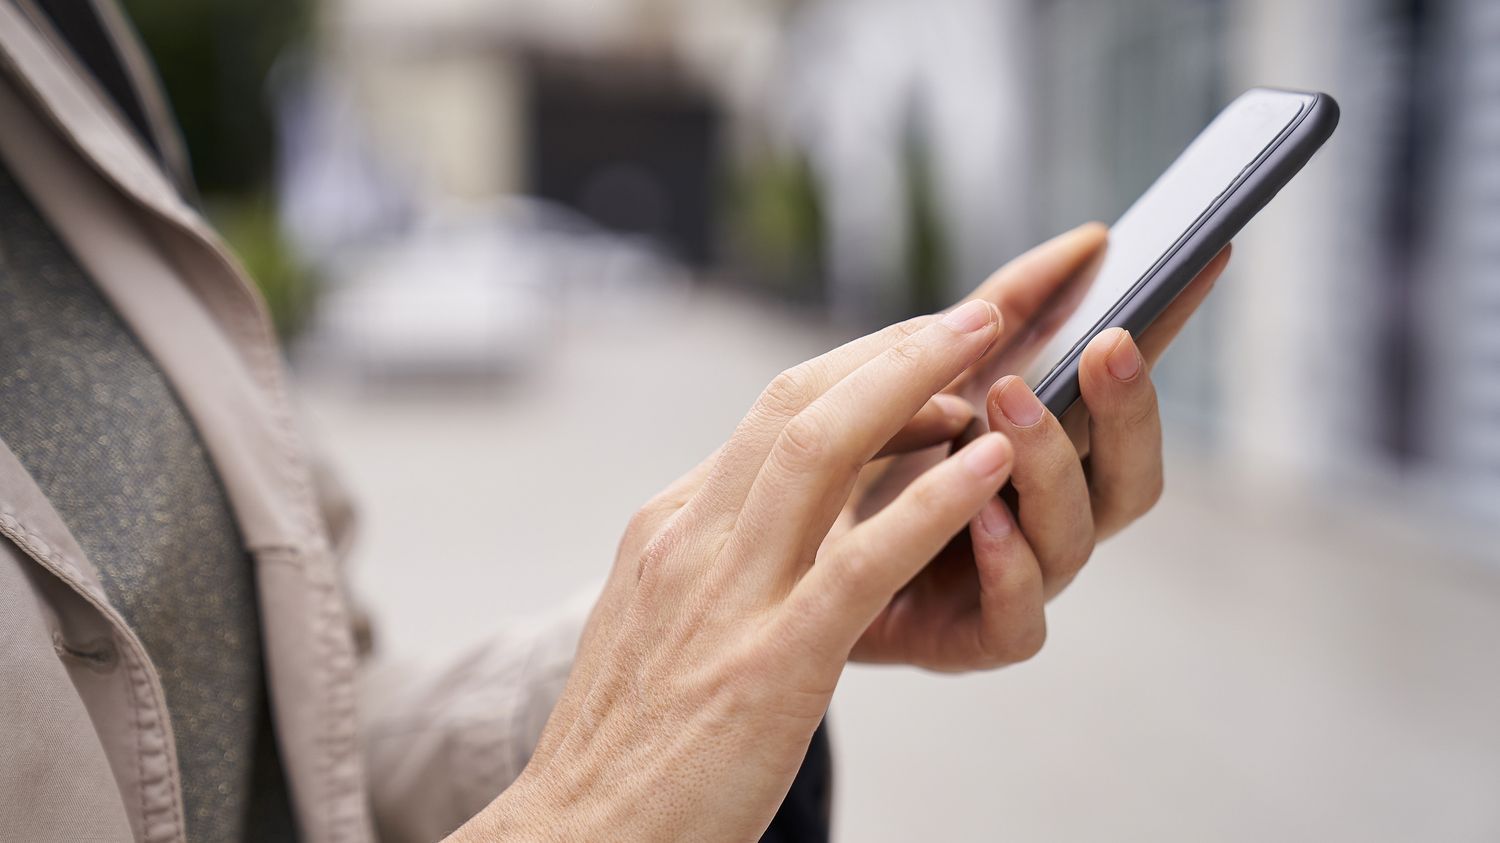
(1246, 664)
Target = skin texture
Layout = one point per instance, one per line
(839, 522)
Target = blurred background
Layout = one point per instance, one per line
(533, 259)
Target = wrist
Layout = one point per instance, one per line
(527, 810)
(552, 804)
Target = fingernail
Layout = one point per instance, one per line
(969, 317)
(1019, 404)
(988, 456)
(1124, 361)
(994, 519)
(956, 409)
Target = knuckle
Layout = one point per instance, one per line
(911, 327)
(659, 544)
(906, 355)
(1059, 459)
(1128, 500)
(641, 524)
(928, 499)
(1155, 486)
(846, 574)
(1050, 464)
(1141, 415)
(1026, 645)
(1142, 411)
(788, 393)
(1111, 519)
(1066, 560)
(651, 563)
(805, 441)
(1084, 545)
(648, 519)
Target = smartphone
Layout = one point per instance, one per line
(1224, 177)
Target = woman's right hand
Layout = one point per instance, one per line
(727, 621)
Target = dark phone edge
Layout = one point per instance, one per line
(1286, 157)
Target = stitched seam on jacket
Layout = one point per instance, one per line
(133, 653)
(255, 337)
(258, 342)
(147, 818)
(128, 165)
(50, 38)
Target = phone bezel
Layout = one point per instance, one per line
(1260, 180)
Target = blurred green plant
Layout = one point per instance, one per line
(779, 231)
(777, 222)
(250, 226)
(928, 263)
(214, 58)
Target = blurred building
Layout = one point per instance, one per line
(558, 245)
(1354, 339)
(1454, 267)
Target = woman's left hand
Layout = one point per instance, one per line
(980, 603)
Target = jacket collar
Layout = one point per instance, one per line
(162, 267)
(230, 379)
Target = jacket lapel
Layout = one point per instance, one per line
(162, 266)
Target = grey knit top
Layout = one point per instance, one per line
(91, 418)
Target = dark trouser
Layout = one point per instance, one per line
(805, 813)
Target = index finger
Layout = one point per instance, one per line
(730, 477)
(811, 469)
(1028, 283)
(856, 576)
(1033, 292)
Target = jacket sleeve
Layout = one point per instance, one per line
(441, 742)
(442, 739)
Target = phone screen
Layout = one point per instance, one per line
(1167, 212)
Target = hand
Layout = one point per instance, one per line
(728, 616)
(980, 603)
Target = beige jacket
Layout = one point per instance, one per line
(86, 747)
